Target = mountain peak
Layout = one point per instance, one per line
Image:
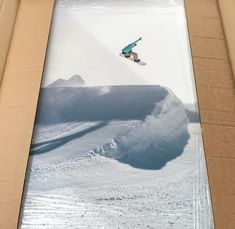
(77, 79)
(74, 81)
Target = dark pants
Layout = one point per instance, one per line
(129, 54)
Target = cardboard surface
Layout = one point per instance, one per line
(227, 10)
(8, 12)
(18, 99)
(216, 94)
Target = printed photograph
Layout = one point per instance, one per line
(117, 141)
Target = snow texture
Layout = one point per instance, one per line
(160, 136)
(115, 157)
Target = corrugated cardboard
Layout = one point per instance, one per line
(8, 12)
(18, 99)
(216, 94)
(227, 10)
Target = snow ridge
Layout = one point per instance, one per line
(161, 137)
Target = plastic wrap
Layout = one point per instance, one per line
(117, 140)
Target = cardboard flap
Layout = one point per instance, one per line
(216, 95)
(18, 101)
(8, 12)
(227, 10)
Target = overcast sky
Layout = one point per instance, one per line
(87, 37)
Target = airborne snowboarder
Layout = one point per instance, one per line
(127, 51)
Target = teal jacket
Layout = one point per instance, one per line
(129, 47)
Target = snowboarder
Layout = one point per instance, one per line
(127, 51)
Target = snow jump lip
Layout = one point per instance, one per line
(154, 141)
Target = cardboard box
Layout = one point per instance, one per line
(227, 9)
(8, 12)
(18, 100)
(215, 86)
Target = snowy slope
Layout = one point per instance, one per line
(134, 162)
(92, 191)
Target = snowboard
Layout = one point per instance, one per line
(131, 58)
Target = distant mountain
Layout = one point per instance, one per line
(74, 81)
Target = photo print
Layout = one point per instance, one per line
(117, 140)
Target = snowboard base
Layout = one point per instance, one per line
(131, 58)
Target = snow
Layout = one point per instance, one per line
(158, 139)
(145, 171)
(100, 192)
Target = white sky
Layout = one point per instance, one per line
(87, 40)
